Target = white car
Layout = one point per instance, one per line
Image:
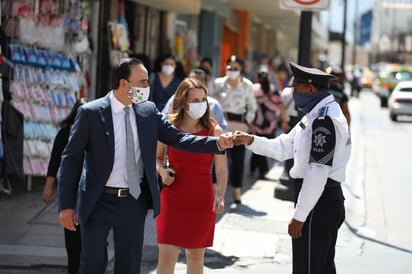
(400, 100)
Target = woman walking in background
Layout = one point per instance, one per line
(270, 111)
(164, 81)
(235, 95)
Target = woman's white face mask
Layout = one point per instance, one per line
(197, 110)
(168, 69)
(233, 74)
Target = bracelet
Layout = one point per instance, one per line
(220, 197)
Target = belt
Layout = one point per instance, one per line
(119, 192)
(234, 117)
(297, 184)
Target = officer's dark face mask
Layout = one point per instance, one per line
(305, 102)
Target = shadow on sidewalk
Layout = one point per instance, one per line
(246, 210)
(213, 259)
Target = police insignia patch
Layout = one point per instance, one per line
(323, 141)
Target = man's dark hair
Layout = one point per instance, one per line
(123, 70)
(208, 60)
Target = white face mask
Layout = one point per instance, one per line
(168, 69)
(138, 95)
(197, 110)
(233, 74)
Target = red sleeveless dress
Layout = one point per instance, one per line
(186, 216)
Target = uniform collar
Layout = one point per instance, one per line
(314, 112)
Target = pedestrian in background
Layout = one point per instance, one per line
(265, 65)
(188, 202)
(270, 112)
(207, 64)
(320, 145)
(72, 239)
(337, 88)
(164, 80)
(235, 95)
(116, 138)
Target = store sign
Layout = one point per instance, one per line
(308, 5)
(397, 4)
(178, 6)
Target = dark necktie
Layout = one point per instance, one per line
(133, 178)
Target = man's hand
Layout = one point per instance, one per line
(225, 140)
(295, 228)
(68, 219)
(242, 138)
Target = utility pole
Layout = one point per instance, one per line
(343, 38)
(355, 34)
(305, 38)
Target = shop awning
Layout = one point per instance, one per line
(179, 6)
(217, 6)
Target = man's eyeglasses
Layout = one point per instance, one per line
(232, 69)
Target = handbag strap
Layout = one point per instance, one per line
(166, 158)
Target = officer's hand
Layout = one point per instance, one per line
(67, 219)
(295, 228)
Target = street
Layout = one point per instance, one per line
(381, 166)
(375, 238)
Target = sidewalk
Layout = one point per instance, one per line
(31, 237)
(251, 237)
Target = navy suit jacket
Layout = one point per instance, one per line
(91, 143)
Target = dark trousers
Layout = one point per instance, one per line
(72, 241)
(126, 216)
(260, 162)
(236, 165)
(314, 252)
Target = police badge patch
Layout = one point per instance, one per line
(323, 141)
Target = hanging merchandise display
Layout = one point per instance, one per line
(119, 37)
(186, 44)
(49, 48)
(44, 90)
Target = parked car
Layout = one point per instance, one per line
(390, 79)
(400, 100)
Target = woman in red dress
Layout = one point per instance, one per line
(188, 203)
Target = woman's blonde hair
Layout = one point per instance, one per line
(177, 110)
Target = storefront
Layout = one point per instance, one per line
(46, 66)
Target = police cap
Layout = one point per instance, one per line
(314, 76)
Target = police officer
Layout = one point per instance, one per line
(320, 146)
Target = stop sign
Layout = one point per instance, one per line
(309, 5)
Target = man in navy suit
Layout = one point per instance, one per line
(105, 199)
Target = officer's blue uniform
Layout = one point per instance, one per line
(320, 146)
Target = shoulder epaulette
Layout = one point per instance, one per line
(323, 111)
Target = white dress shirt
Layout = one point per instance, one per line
(118, 176)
